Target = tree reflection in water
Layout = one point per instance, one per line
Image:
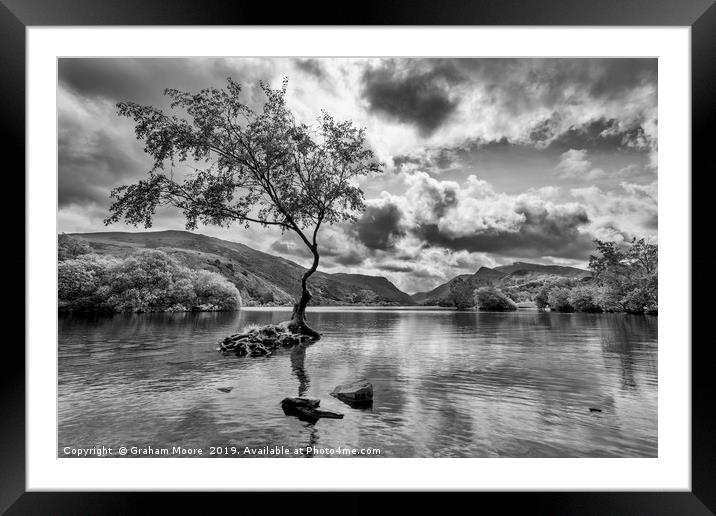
(623, 340)
(298, 360)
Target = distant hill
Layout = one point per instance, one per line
(513, 277)
(260, 277)
(439, 293)
(487, 275)
(378, 284)
(556, 270)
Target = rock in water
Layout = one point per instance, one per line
(306, 409)
(224, 389)
(355, 394)
(300, 402)
(330, 414)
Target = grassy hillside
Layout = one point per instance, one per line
(378, 284)
(487, 276)
(261, 278)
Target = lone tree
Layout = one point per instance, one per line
(258, 167)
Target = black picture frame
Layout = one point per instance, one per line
(700, 15)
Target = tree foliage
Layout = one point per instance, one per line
(628, 274)
(624, 279)
(148, 281)
(542, 298)
(585, 298)
(462, 293)
(558, 299)
(262, 166)
(491, 299)
(69, 247)
(364, 296)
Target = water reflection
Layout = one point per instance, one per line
(446, 384)
(625, 348)
(298, 359)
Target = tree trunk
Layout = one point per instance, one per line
(298, 318)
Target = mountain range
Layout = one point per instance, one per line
(262, 278)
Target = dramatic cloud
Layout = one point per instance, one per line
(412, 93)
(473, 217)
(312, 67)
(143, 80)
(380, 225)
(91, 162)
(621, 214)
(595, 135)
(510, 97)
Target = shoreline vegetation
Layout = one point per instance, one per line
(146, 281)
(623, 279)
(94, 276)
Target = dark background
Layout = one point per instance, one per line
(15, 15)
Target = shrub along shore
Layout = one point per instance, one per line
(624, 278)
(146, 281)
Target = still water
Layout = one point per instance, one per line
(447, 384)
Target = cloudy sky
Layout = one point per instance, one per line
(487, 161)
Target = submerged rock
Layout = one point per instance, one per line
(356, 394)
(306, 409)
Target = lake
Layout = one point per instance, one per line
(447, 384)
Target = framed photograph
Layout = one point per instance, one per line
(429, 244)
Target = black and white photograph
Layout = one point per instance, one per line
(394, 257)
